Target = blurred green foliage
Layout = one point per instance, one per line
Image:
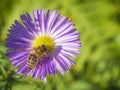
(98, 65)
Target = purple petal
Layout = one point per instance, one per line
(59, 60)
(41, 20)
(28, 72)
(22, 69)
(35, 73)
(19, 61)
(27, 24)
(51, 20)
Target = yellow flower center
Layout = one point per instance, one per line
(44, 40)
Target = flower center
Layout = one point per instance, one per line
(44, 40)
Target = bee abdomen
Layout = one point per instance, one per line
(31, 64)
(32, 61)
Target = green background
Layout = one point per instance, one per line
(98, 65)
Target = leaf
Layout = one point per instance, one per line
(3, 71)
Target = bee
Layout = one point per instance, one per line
(32, 60)
(35, 55)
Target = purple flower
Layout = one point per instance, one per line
(43, 45)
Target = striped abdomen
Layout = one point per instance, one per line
(32, 61)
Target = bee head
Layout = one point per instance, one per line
(44, 47)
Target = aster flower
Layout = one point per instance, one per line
(50, 30)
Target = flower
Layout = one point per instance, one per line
(51, 33)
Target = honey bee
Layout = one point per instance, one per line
(35, 55)
(32, 60)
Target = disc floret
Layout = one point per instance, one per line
(44, 40)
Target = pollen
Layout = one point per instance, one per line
(44, 40)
